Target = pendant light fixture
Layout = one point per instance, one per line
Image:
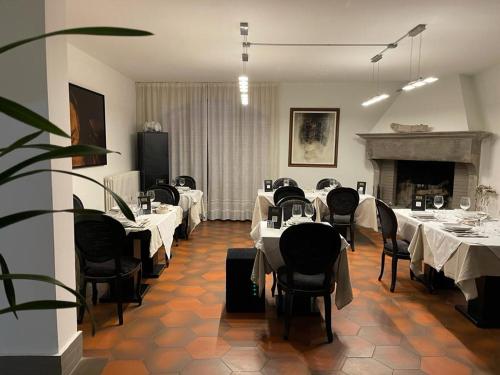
(379, 97)
(419, 81)
(243, 79)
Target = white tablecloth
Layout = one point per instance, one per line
(192, 201)
(269, 259)
(161, 226)
(462, 259)
(365, 215)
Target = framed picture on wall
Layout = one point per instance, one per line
(88, 124)
(314, 137)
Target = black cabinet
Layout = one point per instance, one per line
(153, 157)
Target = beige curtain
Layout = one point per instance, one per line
(227, 147)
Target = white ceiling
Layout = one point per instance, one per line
(200, 41)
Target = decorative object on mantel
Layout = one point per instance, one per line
(484, 193)
(421, 128)
(152, 126)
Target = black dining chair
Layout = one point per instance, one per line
(309, 251)
(164, 195)
(279, 182)
(100, 242)
(342, 203)
(325, 182)
(392, 246)
(183, 230)
(287, 191)
(77, 203)
(286, 203)
(188, 181)
(172, 189)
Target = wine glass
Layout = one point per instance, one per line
(465, 203)
(309, 210)
(151, 195)
(438, 201)
(182, 181)
(286, 182)
(296, 211)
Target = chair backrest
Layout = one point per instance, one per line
(325, 182)
(99, 238)
(279, 182)
(189, 181)
(77, 203)
(310, 249)
(287, 191)
(164, 194)
(171, 188)
(388, 220)
(342, 201)
(287, 203)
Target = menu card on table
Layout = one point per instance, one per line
(274, 217)
(145, 204)
(361, 187)
(418, 203)
(268, 185)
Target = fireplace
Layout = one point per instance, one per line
(426, 178)
(435, 162)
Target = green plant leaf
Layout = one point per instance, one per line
(119, 201)
(97, 30)
(20, 142)
(40, 305)
(39, 146)
(24, 215)
(29, 117)
(8, 285)
(63, 152)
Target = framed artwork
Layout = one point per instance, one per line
(314, 137)
(88, 124)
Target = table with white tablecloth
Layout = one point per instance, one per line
(269, 259)
(463, 259)
(192, 202)
(365, 215)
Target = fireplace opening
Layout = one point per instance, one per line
(428, 178)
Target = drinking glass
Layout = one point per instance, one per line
(182, 181)
(309, 210)
(331, 182)
(465, 203)
(286, 182)
(151, 195)
(296, 211)
(438, 201)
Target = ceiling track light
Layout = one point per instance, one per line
(419, 83)
(374, 100)
(379, 97)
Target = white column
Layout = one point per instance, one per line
(35, 75)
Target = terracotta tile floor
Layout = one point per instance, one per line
(182, 326)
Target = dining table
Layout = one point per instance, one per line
(192, 202)
(469, 256)
(365, 214)
(269, 259)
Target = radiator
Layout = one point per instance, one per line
(124, 184)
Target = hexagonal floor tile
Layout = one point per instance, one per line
(179, 319)
(397, 358)
(175, 337)
(206, 366)
(167, 360)
(280, 366)
(132, 348)
(363, 366)
(207, 347)
(380, 335)
(184, 304)
(443, 365)
(142, 328)
(326, 357)
(210, 327)
(355, 346)
(244, 359)
(123, 367)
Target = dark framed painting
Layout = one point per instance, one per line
(88, 124)
(314, 137)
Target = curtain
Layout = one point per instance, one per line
(181, 108)
(239, 156)
(227, 147)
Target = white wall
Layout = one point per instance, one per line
(119, 102)
(440, 105)
(352, 164)
(488, 91)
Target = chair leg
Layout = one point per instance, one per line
(382, 266)
(328, 316)
(288, 313)
(119, 303)
(94, 293)
(351, 236)
(81, 309)
(394, 272)
(273, 288)
(138, 286)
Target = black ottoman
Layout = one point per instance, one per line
(242, 295)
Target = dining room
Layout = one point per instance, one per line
(229, 187)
